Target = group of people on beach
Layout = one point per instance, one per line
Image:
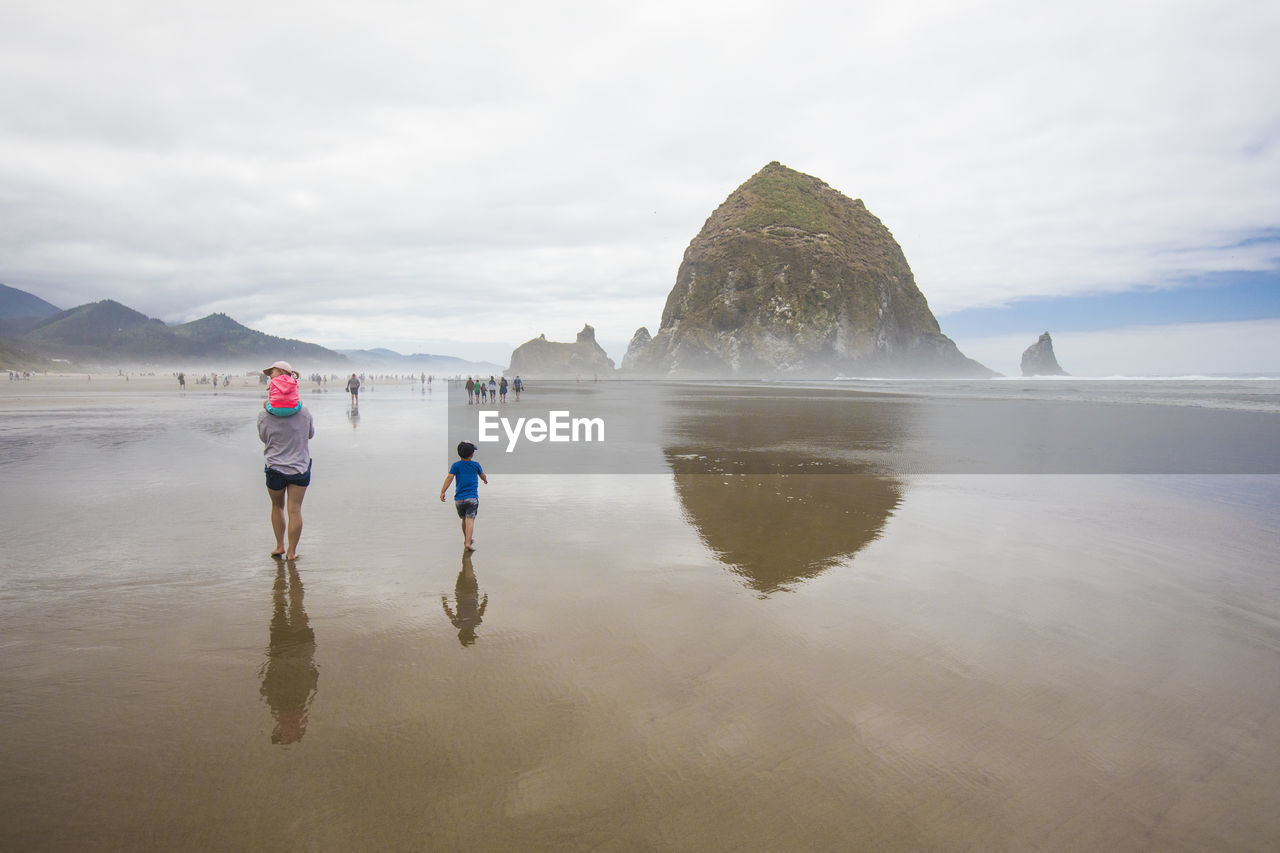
(208, 379)
(286, 427)
(493, 391)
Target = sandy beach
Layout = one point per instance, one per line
(691, 658)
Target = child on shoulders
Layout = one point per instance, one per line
(282, 391)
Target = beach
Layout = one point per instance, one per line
(790, 617)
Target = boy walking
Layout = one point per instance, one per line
(466, 494)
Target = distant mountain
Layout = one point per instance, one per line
(21, 311)
(109, 331)
(419, 361)
(16, 303)
(105, 327)
(14, 358)
(218, 333)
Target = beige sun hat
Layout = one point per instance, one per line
(283, 365)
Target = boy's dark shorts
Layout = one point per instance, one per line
(277, 481)
(467, 507)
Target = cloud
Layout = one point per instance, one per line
(546, 164)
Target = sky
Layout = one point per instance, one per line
(459, 178)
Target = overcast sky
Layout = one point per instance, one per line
(458, 178)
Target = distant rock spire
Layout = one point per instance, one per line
(638, 342)
(1039, 360)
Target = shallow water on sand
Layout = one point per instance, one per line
(688, 660)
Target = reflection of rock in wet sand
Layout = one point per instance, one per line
(776, 529)
(780, 486)
(289, 677)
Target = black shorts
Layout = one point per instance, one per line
(277, 480)
(467, 507)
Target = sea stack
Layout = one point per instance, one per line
(1039, 360)
(639, 341)
(543, 359)
(788, 277)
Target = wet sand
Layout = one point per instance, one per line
(689, 660)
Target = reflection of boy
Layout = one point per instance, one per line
(466, 494)
(471, 606)
(282, 391)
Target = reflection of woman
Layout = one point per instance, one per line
(289, 676)
(471, 607)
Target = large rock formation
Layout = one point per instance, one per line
(544, 359)
(790, 277)
(1039, 360)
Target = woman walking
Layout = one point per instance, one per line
(285, 444)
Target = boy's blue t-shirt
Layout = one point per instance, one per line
(466, 475)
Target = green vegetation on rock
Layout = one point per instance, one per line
(784, 198)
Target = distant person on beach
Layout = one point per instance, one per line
(182, 381)
(288, 468)
(517, 386)
(471, 389)
(353, 386)
(493, 390)
(282, 391)
(466, 494)
(502, 389)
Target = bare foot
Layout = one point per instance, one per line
(278, 554)
(290, 557)
(470, 547)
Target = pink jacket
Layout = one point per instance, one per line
(282, 392)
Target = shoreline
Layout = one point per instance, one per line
(68, 382)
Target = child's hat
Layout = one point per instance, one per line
(283, 365)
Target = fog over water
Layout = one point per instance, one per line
(780, 622)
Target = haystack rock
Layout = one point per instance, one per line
(788, 277)
(1039, 360)
(544, 359)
